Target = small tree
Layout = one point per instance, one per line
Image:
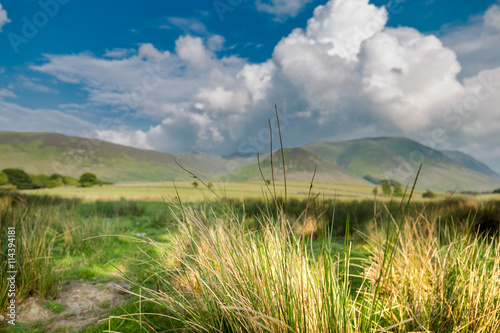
(3, 178)
(195, 184)
(398, 190)
(386, 187)
(375, 191)
(268, 182)
(210, 185)
(88, 179)
(429, 194)
(40, 180)
(19, 178)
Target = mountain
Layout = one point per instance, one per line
(355, 161)
(399, 158)
(300, 165)
(69, 155)
(471, 163)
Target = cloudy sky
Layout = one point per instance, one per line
(179, 76)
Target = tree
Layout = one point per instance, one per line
(40, 181)
(386, 187)
(3, 178)
(497, 190)
(210, 185)
(195, 184)
(88, 179)
(375, 191)
(398, 190)
(429, 194)
(19, 178)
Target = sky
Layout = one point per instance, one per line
(180, 76)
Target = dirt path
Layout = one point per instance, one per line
(79, 304)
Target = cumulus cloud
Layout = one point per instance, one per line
(282, 9)
(344, 75)
(3, 17)
(410, 78)
(477, 43)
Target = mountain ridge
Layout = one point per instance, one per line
(352, 161)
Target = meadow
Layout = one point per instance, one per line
(158, 191)
(332, 258)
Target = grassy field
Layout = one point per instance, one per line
(108, 262)
(232, 190)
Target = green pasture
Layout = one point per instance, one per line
(169, 191)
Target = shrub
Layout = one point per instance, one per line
(19, 178)
(40, 181)
(398, 191)
(3, 178)
(88, 179)
(386, 187)
(429, 194)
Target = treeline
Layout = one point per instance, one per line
(24, 181)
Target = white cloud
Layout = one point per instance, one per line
(6, 93)
(477, 43)
(3, 17)
(409, 77)
(344, 25)
(193, 51)
(118, 53)
(344, 75)
(187, 25)
(31, 84)
(15, 117)
(281, 8)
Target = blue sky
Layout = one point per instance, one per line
(205, 75)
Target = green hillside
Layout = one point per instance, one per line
(68, 155)
(399, 158)
(300, 165)
(355, 161)
(470, 162)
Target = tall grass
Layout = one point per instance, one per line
(423, 275)
(444, 279)
(220, 277)
(34, 241)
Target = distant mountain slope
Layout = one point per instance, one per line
(470, 162)
(300, 165)
(399, 158)
(348, 161)
(55, 153)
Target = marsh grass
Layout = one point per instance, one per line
(220, 277)
(34, 240)
(444, 279)
(424, 274)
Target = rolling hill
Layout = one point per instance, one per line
(399, 159)
(356, 161)
(68, 155)
(300, 165)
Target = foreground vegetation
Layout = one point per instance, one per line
(275, 266)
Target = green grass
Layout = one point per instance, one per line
(54, 306)
(422, 275)
(247, 267)
(231, 190)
